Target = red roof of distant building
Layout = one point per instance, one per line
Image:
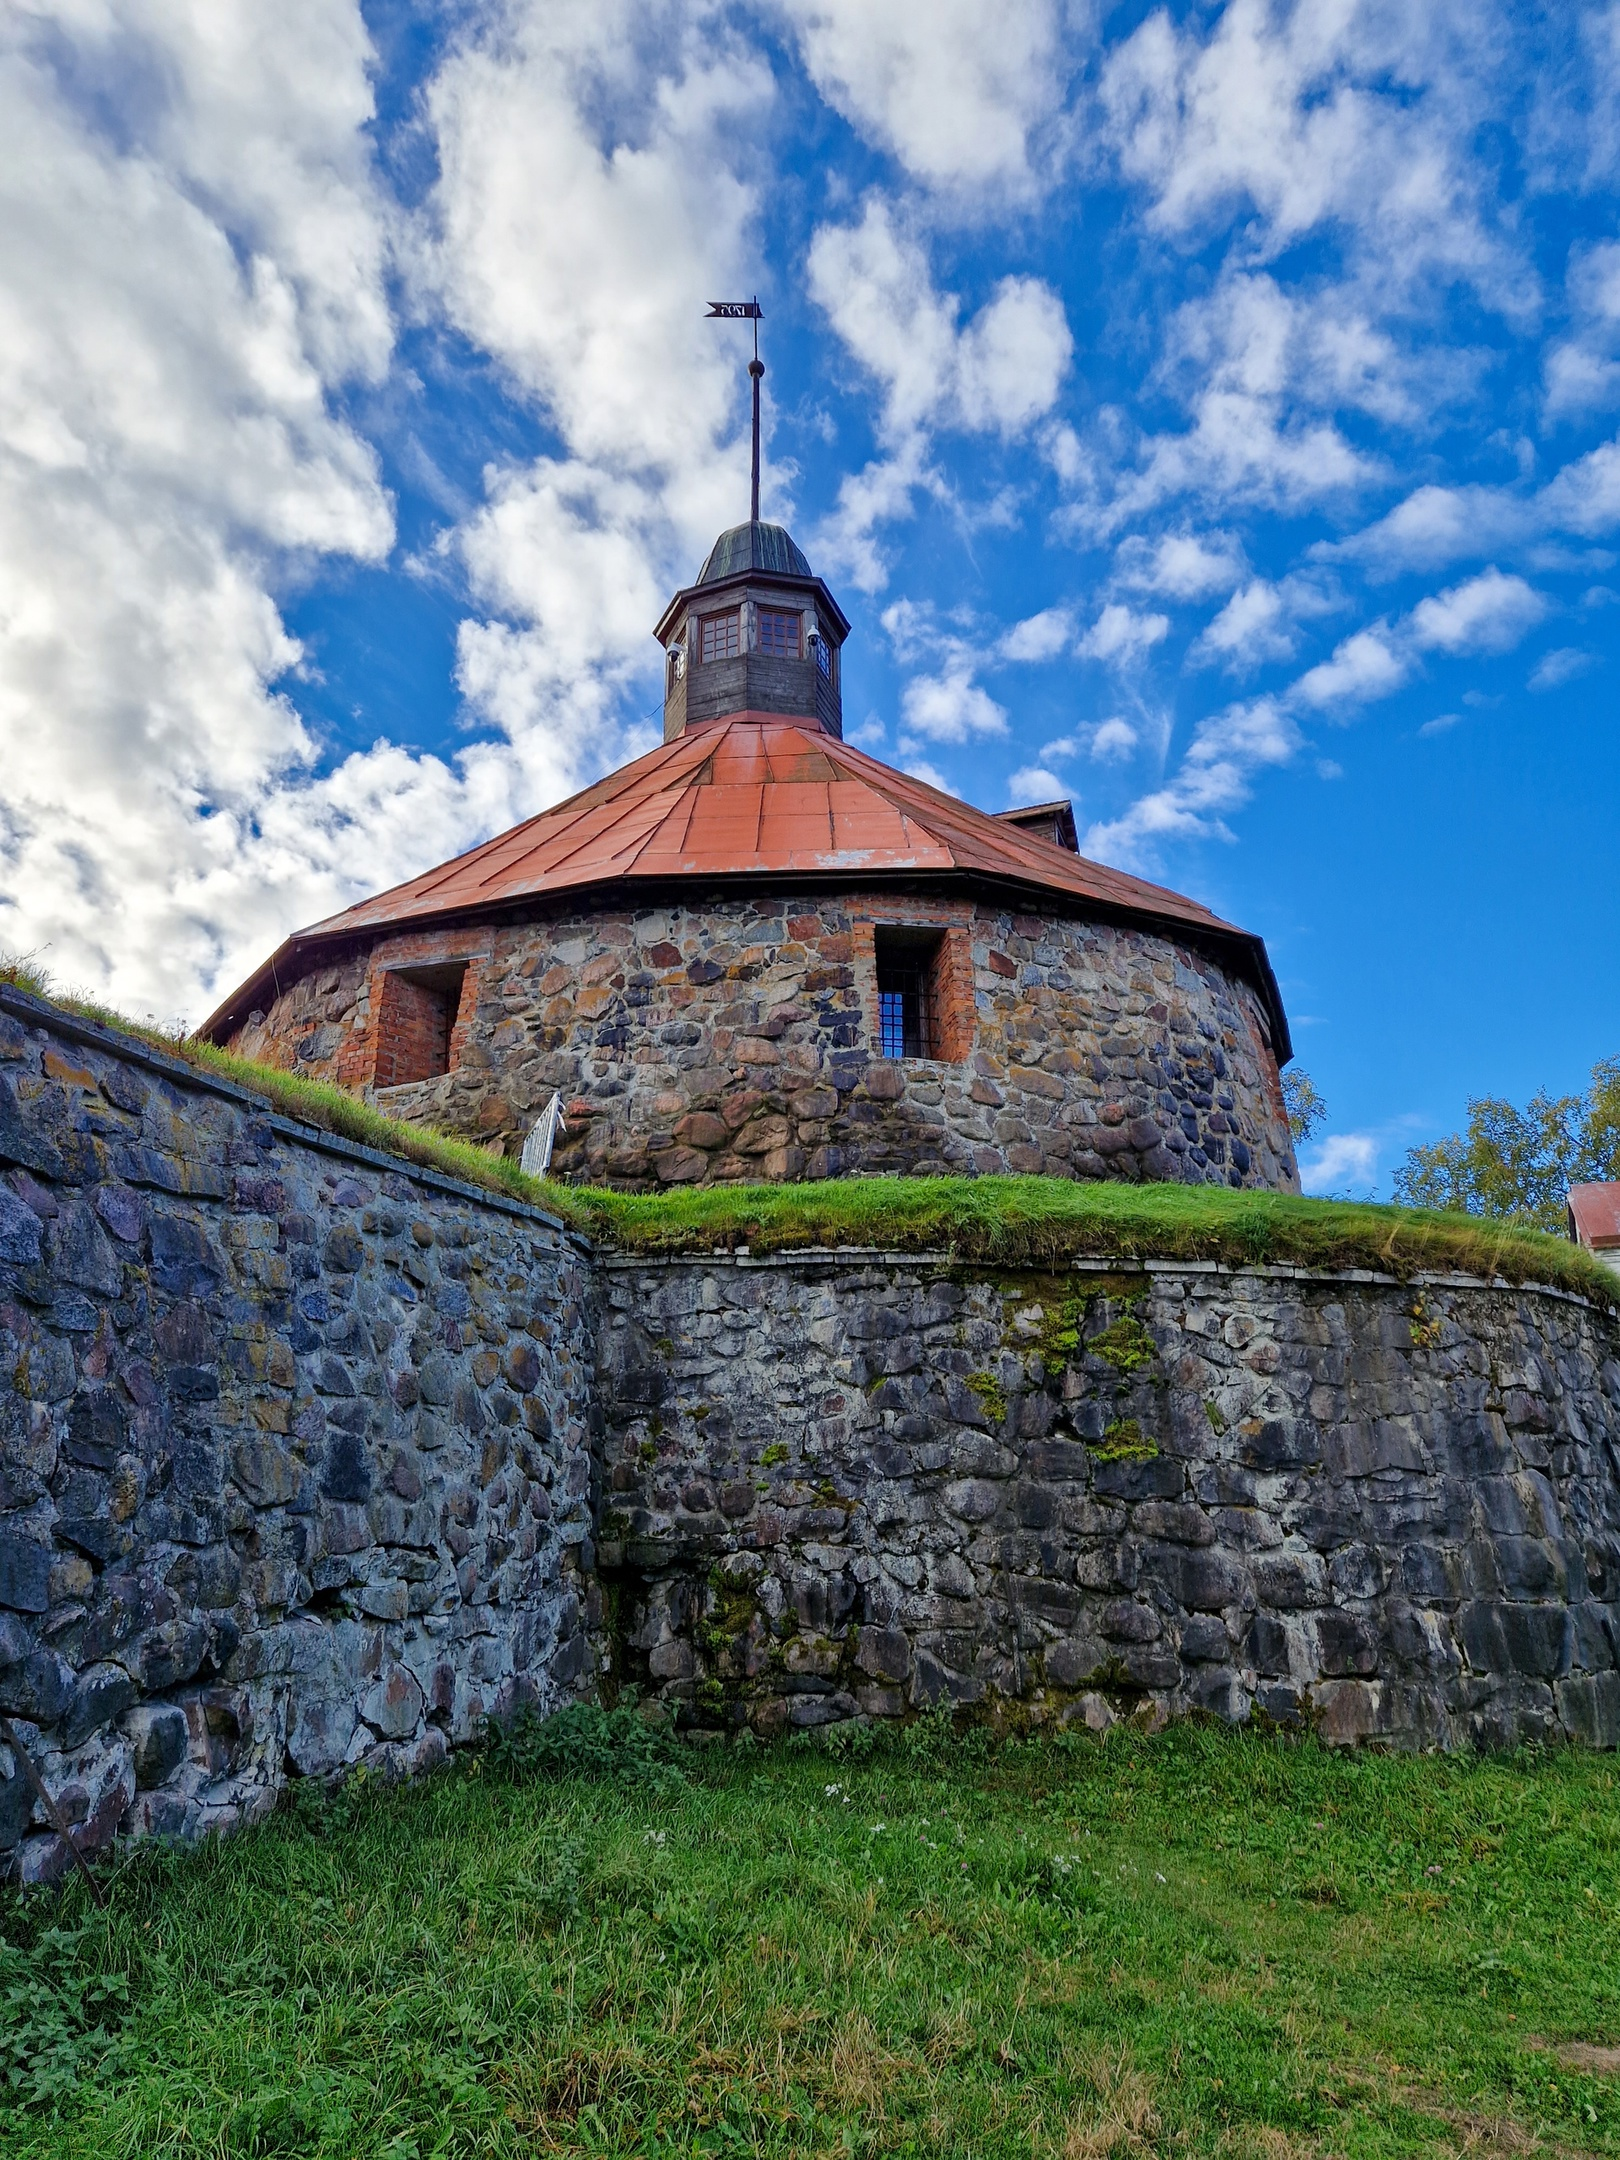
(751, 795)
(1594, 1215)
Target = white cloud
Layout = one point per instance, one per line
(1181, 565)
(1258, 623)
(182, 295)
(1245, 363)
(1433, 526)
(1488, 614)
(996, 374)
(953, 90)
(1215, 776)
(1344, 1163)
(1120, 635)
(1039, 637)
(1113, 741)
(1365, 665)
(1440, 724)
(1560, 666)
(588, 188)
(1034, 784)
(1582, 372)
(1351, 116)
(950, 707)
(920, 769)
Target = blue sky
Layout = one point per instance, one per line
(1208, 413)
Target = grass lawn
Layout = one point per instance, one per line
(1209, 1942)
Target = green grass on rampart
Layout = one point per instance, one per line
(1212, 1943)
(1010, 1221)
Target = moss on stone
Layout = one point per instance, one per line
(1126, 1345)
(990, 1393)
(1124, 1441)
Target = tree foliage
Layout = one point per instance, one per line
(1521, 1163)
(1305, 1106)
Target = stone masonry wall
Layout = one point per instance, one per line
(737, 1039)
(843, 1486)
(293, 1453)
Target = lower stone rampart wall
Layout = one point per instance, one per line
(293, 1448)
(311, 1459)
(850, 1486)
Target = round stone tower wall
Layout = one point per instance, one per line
(740, 1037)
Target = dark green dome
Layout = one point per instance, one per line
(767, 548)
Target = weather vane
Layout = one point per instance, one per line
(747, 311)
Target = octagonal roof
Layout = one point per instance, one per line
(753, 796)
(770, 549)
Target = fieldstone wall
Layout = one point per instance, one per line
(293, 1449)
(737, 1038)
(843, 1486)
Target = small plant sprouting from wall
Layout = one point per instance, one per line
(1426, 1328)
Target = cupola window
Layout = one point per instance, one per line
(718, 638)
(779, 633)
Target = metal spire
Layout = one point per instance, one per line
(748, 311)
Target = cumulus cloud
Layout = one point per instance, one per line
(1113, 741)
(183, 294)
(1034, 784)
(1245, 363)
(1259, 623)
(1365, 665)
(1120, 635)
(1215, 777)
(1559, 666)
(1582, 371)
(1353, 117)
(1039, 637)
(1344, 1163)
(994, 374)
(1488, 614)
(954, 91)
(950, 707)
(1181, 565)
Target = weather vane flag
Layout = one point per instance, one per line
(747, 311)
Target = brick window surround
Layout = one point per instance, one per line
(416, 1022)
(924, 992)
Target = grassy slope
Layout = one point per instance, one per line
(1005, 1219)
(1210, 1943)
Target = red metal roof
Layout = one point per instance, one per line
(749, 795)
(1594, 1215)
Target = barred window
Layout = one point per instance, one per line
(719, 637)
(779, 633)
(906, 992)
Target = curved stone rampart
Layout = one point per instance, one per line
(732, 1038)
(309, 1457)
(856, 1485)
(293, 1464)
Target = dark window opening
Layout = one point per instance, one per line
(826, 659)
(718, 636)
(779, 634)
(907, 992)
(416, 1021)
